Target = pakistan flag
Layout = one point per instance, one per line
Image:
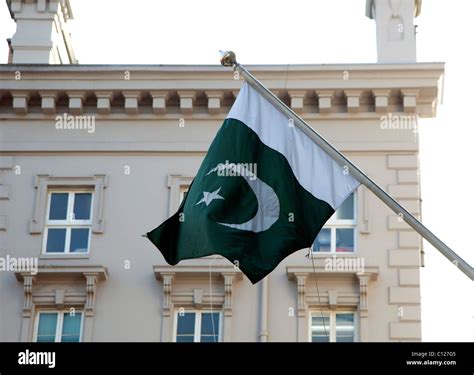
(263, 191)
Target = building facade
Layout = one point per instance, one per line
(94, 156)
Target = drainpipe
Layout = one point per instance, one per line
(263, 336)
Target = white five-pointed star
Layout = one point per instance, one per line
(209, 197)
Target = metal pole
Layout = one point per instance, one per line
(229, 59)
(263, 336)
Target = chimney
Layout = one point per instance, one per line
(41, 35)
(396, 41)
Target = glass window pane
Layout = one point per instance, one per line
(58, 206)
(79, 240)
(185, 338)
(322, 243)
(320, 328)
(71, 327)
(186, 323)
(209, 338)
(56, 240)
(210, 327)
(345, 240)
(82, 206)
(185, 328)
(346, 209)
(47, 327)
(210, 323)
(345, 327)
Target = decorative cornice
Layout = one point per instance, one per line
(293, 272)
(170, 275)
(332, 298)
(171, 89)
(59, 298)
(42, 7)
(223, 270)
(56, 271)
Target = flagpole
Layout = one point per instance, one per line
(229, 59)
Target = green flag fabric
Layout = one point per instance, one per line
(263, 191)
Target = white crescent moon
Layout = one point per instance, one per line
(268, 203)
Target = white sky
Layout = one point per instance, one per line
(320, 31)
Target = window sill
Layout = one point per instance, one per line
(64, 256)
(69, 270)
(340, 255)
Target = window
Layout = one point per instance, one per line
(197, 326)
(179, 186)
(68, 222)
(338, 234)
(46, 184)
(183, 190)
(58, 326)
(337, 326)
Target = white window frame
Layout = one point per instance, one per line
(177, 183)
(332, 323)
(182, 189)
(332, 224)
(59, 323)
(69, 223)
(197, 323)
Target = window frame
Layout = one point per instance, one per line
(176, 183)
(332, 323)
(182, 190)
(59, 323)
(197, 323)
(334, 224)
(67, 224)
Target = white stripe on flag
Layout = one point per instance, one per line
(315, 170)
